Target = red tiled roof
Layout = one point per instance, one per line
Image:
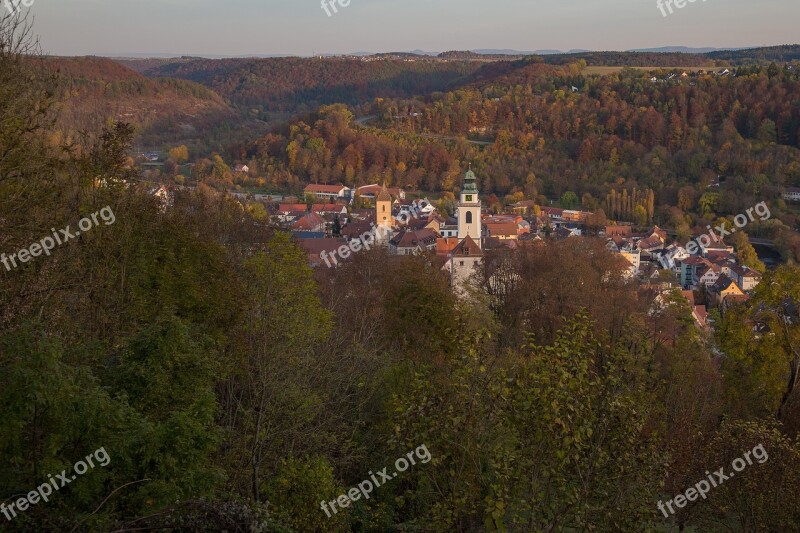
(446, 245)
(689, 295)
(502, 228)
(308, 222)
(468, 248)
(292, 208)
(336, 208)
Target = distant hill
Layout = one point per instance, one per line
(768, 54)
(299, 85)
(633, 59)
(680, 49)
(96, 90)
(509, 52)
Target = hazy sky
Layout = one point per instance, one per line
(243, 27)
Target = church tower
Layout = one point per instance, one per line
(469, 210)
(383, 209)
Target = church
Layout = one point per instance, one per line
(463, 253)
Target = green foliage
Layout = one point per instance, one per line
(569, 200)
(534, 442)
(297, 490)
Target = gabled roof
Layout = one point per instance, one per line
(722, 283)
(467, 248)
(308, 222)
(356, 229)
(409, 239)
(695, 260)
(292, 208)
(743, 271)
(333, 208)
(446, 245)
(502, 228)
(651, 243)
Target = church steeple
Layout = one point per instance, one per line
(469, 183)
(469, 209)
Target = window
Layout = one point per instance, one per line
(461, 263)
(469, 217)
(384, 208)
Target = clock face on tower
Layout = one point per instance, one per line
(468, 197)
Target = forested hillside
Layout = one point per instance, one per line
(300, 85)
(95, 91)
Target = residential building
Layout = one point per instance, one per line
(410, 242)
(327, 192)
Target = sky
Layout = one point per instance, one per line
(302, 27)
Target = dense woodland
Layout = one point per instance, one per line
(235, 389)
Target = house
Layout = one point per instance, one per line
(564, 233)
(575, 216)
(746, 278)
(650, 244)
(409, 242)
(722, 289)
(449, 228)
(241, 169)
(688, 268)
(553, 213)
(700, 315)
(792, 194)
(706, 275)
(289, 212)
(732, 300)
(309, 222)
(286, 209)
(327, 192)
(619, 231)
(524, 207)
(635, 260)
(371, 191)
(506, 227)
(353, 230)
(329, 209)
(461, 260)
(501, 230)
